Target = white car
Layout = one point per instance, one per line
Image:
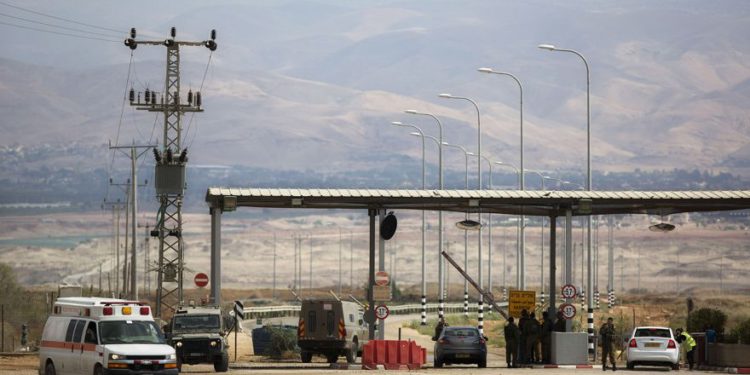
(653, 346)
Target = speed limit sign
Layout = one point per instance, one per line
(569, 291)
(382, 312)
(568, 310)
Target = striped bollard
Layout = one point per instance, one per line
(596, 299)
(424, 310)
(480, 316)
(466, 303)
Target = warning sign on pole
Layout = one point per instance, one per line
(519, 300)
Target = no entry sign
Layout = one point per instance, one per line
(382, 278)
(201, 280)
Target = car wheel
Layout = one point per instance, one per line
(482, 362)
(305, 356)
(631, 365)
(221, 364)
(676, 366)
(98, 369)
(49, 368)
(437, 363)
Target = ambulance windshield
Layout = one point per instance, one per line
(196, 322)
(130, 332)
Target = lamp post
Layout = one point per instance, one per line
(466, 234)
(424, 283)
(441, 262)
(590, 279)
(489, 234)
(480, 307)
(520, 277)
(522, 184)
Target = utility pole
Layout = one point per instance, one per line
(116, 207)
(133, 198)
(170, 168)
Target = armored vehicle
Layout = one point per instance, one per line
(197, 334)
(331, 328)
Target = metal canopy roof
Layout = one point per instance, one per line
(513, 202)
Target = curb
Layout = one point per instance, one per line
(728, 370)
(562, 366)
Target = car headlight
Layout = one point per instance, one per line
(172, 356)
(178, 344)
(115, 357)
(213, 343)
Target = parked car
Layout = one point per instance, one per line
(331, 328)
(653, 346)
(460, 345)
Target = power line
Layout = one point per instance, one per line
(205, 72)
(61, 18)
(53, 25)
(59, 33)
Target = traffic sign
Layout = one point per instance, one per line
(239, 310)
(569, 291)
(381, 293)
(201, 280)
(382, 312)
(519, 300)
(568, 310)
(382, 278)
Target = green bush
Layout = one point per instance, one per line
(283, 341)
(742, 331)
(702, 318)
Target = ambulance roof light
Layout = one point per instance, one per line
(144, 310)
(108, 310)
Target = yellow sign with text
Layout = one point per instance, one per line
(519, 300)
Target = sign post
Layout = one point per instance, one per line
(239, 311)
(201, 280)
(382, 312)
(519, 300)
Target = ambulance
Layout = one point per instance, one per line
(103, 336)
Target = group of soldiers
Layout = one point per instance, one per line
(530, 341)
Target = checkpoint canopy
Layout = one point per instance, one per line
(510, 202)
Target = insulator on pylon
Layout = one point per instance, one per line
(198, 99)
(173, 32)
(190, 97)
(213, 34)
(157, 156)
(132, 32)
(210, 44)
(153, 98)
(176, 97)
(148, 96)
(132, 95)
(169, 155)
(183, 156)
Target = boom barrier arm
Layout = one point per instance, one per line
(488, 297)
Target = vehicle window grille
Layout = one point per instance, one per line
(330, 322)
(311, 321)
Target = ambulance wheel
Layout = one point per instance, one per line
(222, 363)
(305, 356)
(49, 368)
(98, 369)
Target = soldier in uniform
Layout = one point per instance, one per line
(531, 329)
(512, 335)
(546, 337)
(522, 354)
(607, 334)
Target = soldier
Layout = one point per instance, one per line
(531, 329)
(560, 322)
(607, 334)
(546, 337)
(439, 328)
(522, 354)
(511, 334)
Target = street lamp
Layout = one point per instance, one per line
(480, 307)
(590, 279)
(520, 265)
(424, 283)
(465, 227)
(522, 184)
(441, 262)
(489, 233)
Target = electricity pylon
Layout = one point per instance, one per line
(170, 166)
